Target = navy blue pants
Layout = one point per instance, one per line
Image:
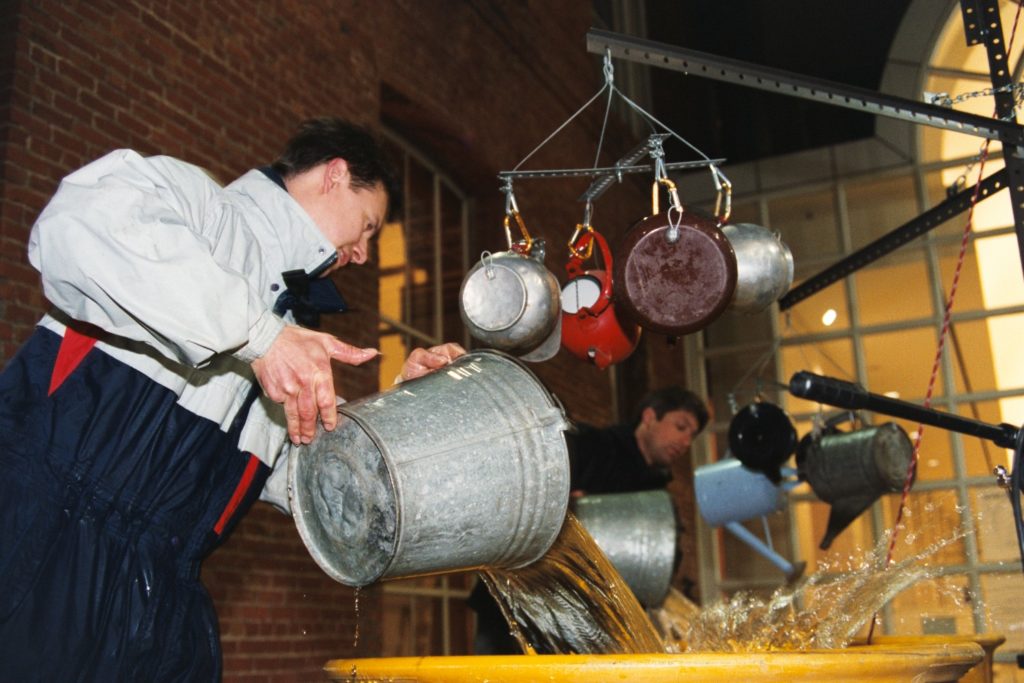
(111, 494)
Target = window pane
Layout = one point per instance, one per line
(851, 546)
(895, 288)
(419, 236)
(971, 357)
(981, 455)
(935, 459)
(878, 206)
(833, 358)
(1003, 594)
(899, 364)
(940, 606)
(999, 265)
(930, 524)
(824, 311)
(808, 226)
(997, 539)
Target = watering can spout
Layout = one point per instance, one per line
(842, 514)
(851, 470)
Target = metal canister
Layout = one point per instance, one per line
(637, 531)
(466, 467)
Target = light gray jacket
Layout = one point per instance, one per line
(185, 273)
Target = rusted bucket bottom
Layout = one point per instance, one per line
(889, 662)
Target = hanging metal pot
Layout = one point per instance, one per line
(675, 272)
(764, 266)
(591, 328)
(509, 301)
(763, 438)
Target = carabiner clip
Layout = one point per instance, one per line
(576, 235)
(523, 246)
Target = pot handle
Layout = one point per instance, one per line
(581, 249)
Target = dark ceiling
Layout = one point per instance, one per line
(845, 42)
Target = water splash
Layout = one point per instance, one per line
(824, 611)
(572, 600)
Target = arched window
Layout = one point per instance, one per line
(879, 328)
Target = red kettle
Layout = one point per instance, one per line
(591, 330)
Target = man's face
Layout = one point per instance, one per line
(348, 216)
(664, 441)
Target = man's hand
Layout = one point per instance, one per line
(296, 371)
(422, 361)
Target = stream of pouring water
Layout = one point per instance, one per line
(574, 601)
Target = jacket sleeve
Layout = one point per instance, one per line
(122, 246)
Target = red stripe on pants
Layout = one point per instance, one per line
(236, 498)
(73, 348)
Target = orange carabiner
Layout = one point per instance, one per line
(526, 244)
(578, 252)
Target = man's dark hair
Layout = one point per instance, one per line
(673, 398)
(317, 141)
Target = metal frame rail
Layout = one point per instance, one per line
(982, 22)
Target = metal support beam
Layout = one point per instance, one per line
(983, 24)
(734, 71)
(891, 241)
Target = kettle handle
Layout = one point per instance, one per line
(575, 266)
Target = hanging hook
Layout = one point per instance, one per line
(511, 206)
(724, 190)
(656, 150)
(608, 69)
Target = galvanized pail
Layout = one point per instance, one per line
(637, 531)
(463, 468)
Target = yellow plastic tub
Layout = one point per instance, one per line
(921, 663)
(982, 673)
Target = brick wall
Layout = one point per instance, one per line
(477, 85)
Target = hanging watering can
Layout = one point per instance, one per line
(510, 301)
(463, 468)
(762, 437)
(729, 493)
(764, 266)
(675, 272)
(591, 328)
(851, 470)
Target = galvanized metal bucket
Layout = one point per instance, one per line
(637, 531)
(464, 468)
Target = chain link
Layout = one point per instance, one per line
(944, 100)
